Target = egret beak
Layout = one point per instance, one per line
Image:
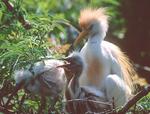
(69, 64)
(80, 37)
(63, 66)
(68, 68)
(67, 59)
(66, 65)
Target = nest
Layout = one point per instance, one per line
(89, 105)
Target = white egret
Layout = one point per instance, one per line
(107, 67)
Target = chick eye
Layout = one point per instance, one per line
(91, 26)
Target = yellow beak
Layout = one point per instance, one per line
(82, 35)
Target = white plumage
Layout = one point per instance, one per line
(44, 78)
(107, 67)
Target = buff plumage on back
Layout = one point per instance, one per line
(89, 15)
(127, 68)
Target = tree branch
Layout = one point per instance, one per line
(5, 111)
(133, 101)
(14, 92)
(21, 19)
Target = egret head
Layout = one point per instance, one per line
(92, 22)
(74, 65)
(22, 75)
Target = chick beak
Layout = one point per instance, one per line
(82, 35)
(68, 65)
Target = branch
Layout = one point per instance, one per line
(21, 19)
(87, 100)
(6, 86)
(14, 92)
(133, 101)
(5, 111)
(21, 103)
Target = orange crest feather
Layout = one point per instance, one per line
(89, 15)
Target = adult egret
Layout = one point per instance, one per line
(108, 68)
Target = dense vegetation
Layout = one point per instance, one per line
(46, 32)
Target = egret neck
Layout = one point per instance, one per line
(95, 38)
(92, 56)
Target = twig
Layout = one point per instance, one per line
(133, 101)
(14, 65)
(87, 100)
(1, 101)
(125, 108)
(6, 86)
(21, 19)
(14, 92)
(21, 103)
(43, 104)
(5, 111)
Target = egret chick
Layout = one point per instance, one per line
(73, 69)
(44, 79)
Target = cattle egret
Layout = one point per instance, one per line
(74, 91)
(44, 79)
(107, 67)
